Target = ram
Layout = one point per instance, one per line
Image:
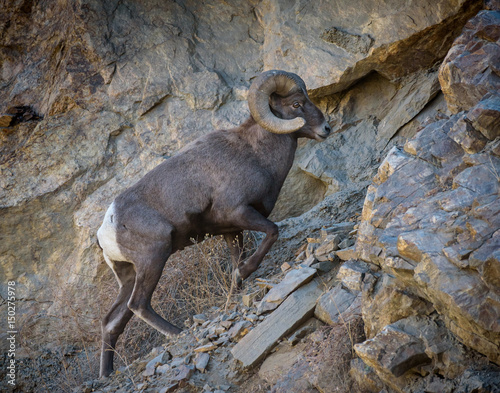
(222, 183)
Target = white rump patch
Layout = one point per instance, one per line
(107, 237)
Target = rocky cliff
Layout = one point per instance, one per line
(94, 94)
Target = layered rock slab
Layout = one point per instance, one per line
(296, 309)
(430, 219)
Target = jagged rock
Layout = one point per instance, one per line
(239, 330)
(122, 85)
(290, 283)
(485, 116)
(467, 137)
(157, 361)
(347, 48)
(163, 369)
(365, 376)
(330, 244)
(353, 273)
(347, 253)
(252, 318)
(413, 343)
(200, 318)
(249, 298)
(387, 303)
(470, 68)
(285, 267)
(311, 249)
(297, 308)
(183, 373)
(169, 388)
(206, 348)
(308, 327)
(311, 260)
(393, 351)
(421, 223)
(341, 228)
(201, 361)
(338, 305)
(346, 243)
(323, 266)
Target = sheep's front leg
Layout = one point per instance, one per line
(248, 218)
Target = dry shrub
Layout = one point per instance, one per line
(329, 358)
(72, 357)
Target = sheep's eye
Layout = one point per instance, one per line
(296, 104)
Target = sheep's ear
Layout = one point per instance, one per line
(269, 82)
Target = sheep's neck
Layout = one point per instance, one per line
(274, 151)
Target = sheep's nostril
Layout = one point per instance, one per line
(328, 129)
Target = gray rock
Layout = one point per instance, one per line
(365, 376)
(200, 318)
(146, 78)
(352, 274)
(485, 116)
(340, 228)
(183, 374)
(412, 343)
(239, 330)
(466, 76)
(338, 306)
(347, 254)
(324, 266)
(201, 361)
(346, 243)
(157, 361)
(293, 280)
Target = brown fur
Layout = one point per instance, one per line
(222, 183)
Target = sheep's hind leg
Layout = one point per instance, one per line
(235, 242)
(250, 219)
(149, 267)
(113, 324)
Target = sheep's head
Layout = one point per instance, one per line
(278, 102)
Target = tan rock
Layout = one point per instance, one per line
(279, 362)
(347, 253)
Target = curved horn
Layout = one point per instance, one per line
(269, 82)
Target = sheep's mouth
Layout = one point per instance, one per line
(320, 137)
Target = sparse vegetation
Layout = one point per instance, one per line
(330, 354)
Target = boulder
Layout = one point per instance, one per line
(411, 345)
(338, 306)
(470, 69)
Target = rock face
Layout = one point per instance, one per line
(431, 223)
(94, 94)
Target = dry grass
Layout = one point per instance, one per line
(329, 358)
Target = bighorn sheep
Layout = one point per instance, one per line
(222, 183)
